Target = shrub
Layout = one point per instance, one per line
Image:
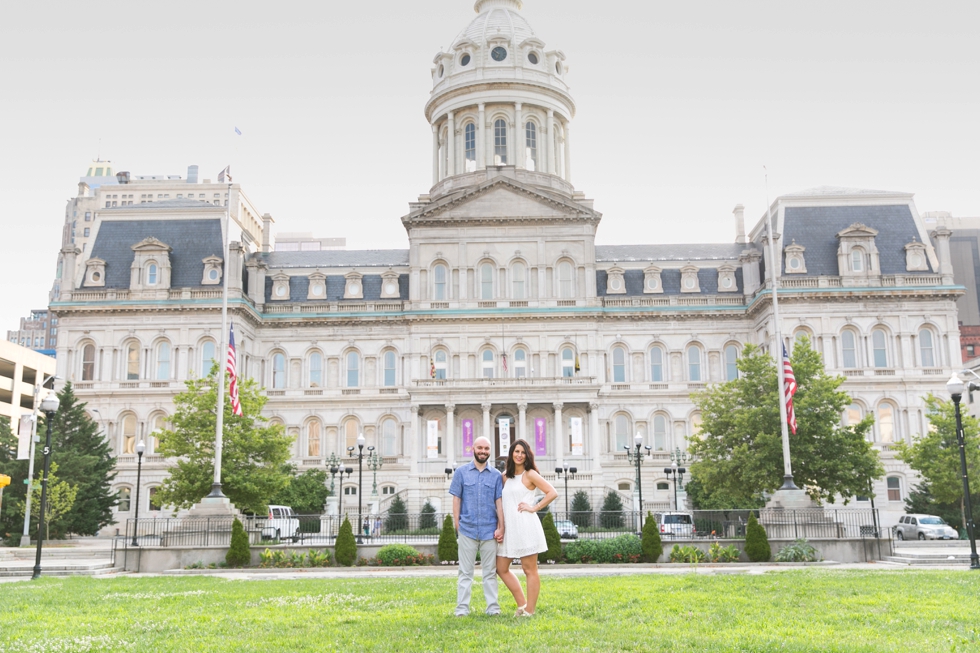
(397, 519)
(318, 558)
(718, 553)
(448, 545)
(756, 541)
(239, 555)
(427, 519)
(581, 514)
(689, 554)
(626, 547)
(553, 539)
(798, 551)
(611, 515)
(392, 555)
(346, 548)
(653, 547)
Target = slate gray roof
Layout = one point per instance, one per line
(192, 241)
(815, 228)
(340, 258)
(299, 288)
(169, 204)
(671, 280)
(668, 252)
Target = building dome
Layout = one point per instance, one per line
(498, 18)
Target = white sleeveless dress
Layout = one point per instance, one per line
(523, 533)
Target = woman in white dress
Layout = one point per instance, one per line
(523, 533)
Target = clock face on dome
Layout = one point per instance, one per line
(498, 53)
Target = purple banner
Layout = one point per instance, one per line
(540, 436)
(467, 437)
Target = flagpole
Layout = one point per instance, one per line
(220, 421)
(788, 483)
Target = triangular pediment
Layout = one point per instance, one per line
(858, 230)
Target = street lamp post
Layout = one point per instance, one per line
(140, 448)
(677, 473)
(374, 463)
(955, 387)
(49, 407)
(360, 480)
(568, 472)
(340, 497)
(636, 456)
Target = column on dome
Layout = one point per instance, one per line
(519, 137)
(450, 434)
(451, 145)
(550, 137)
(435, 154)
(559, 437)
(568, 152)
(481, 138)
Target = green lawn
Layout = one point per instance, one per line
(806, 610)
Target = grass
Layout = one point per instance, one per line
(806, 610)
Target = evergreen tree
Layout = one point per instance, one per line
(448, 544)
(12, 515)
(427, 519)
(239, 554)
(921, 501)
(306, 493)
(58, 501)
(581, 514)
(652, 545)
(397, 519)
(756, 541)
(553, 539)
(611, 515)
(346, 547)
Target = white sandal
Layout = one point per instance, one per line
(520, 611)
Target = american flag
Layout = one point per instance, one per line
(789, 389)
(236, 405)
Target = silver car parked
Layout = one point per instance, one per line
(924, 527)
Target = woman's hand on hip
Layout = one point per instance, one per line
(525, 507)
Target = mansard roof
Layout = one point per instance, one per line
(337, 258)
(299, 287)
(191, 241)
(669, 252)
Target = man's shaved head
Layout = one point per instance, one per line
(481, 450)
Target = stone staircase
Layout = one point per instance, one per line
(930, 554)
(58, 561)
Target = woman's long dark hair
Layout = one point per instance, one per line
(528, 459)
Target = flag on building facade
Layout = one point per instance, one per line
(789, 389)
(504, 359)
(225, 175)
(578, 368)
(432, 370)
(236, 405)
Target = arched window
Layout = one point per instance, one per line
(88, 363)
(731, 363)
(500, 142)
(567, 362)
(659, 433)
(129, 434)
(517, 275)
(486, 281)
(565, 289)
(619, 365)
(163, 361)
(531, 146)
(469, 139)
(852, 415)
(879, 348)
(353, 368)
(925, 348)
(151, 274)
(693, 364)
(656, 364)
(442, 364)
(278, 371)
(150, 495)
(520, 363)
(313, 439)
(663, 485)
(132, 361)
(157, 423)
(439, 283)
(125, 500)
(802, 336)
(389, 365)
(207, 357)
(857, 260)
(389, 438)
(623, 438)
(886, 423)
(849, 349)
(316, 369)
(894, 485)
(488, 364)
(695, 423)
(350, 433)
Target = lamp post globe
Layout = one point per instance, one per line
(140, 448)
(956, 387)
(49, 406)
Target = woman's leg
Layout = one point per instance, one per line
(510, 580)
(530, 566)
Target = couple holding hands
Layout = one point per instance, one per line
(494, 514)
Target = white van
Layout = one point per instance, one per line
(677, 524)
(282, 524)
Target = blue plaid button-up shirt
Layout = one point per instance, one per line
(479, 492)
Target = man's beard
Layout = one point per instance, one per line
(481, 457)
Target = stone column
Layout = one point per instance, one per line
(559, 437)
(413, 445)
(487, 433)
(481, 139)
(550, 145)
(450, 434)
(451, 145)
(435, 154)
(568, 152)
(519, 145)
(522, 422)
(942, 235)
(595, 438)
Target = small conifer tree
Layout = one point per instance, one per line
(581, 514)
(239, 555)
(611, 515)
(756, 541)
(397, 519)
(553, 539)
(346, 548)
(427, 519)
(653, 547)
(448, 546)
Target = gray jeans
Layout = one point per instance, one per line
(488, 568)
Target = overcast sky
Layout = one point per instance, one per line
(680, 104)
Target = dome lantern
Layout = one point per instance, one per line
(483, 5)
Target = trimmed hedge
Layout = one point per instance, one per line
(652, 545)
(448, 544)
(345, 552)
(756, 541)
(553, 539)
(625, 548)
(239, 555)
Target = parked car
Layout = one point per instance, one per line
(677, 524)
(282, 524)
(567, 529)
(924, 527)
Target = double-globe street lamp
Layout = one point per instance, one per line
(635, 456)
(677, 473)
(956, 387)
(360, 479)
(49, 407)
(334, 470)
(140, 448)
(568, 472)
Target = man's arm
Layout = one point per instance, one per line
(499, 533)
(457, 506)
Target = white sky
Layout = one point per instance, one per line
(679, 106)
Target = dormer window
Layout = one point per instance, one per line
(464, 60)
(212, 271)
(318, 286)
(354, 289)
(726, 278)
(615, 282)
(532, 57)
(389, 285)
(857, 254)
(280, 287)
(151, 265)
(651, 280)
(795, 263)
(857, 260)
(689, 279)
(915, 257)
(151, 274)
(95, 273)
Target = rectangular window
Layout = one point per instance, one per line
(88, 216)
(894, 489)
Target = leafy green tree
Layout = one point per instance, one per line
(448, 544)
(653, 546)
(58, 502)
(719, 500)
(756, 541)
(254, 455)
(936, 454)
(581, 513)
(553, 540)
(346, 548)
(397, 519)
(921, 501)
(239, 554)
(12, 515)
(738, 452)
(611, 515)
(427, 518)
(306, 493)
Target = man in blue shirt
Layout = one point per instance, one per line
(478, 515)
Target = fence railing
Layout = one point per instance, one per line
(313, 530)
